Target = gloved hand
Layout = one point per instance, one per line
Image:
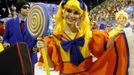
(40, 43)
(1, 39)
(35, 50)
(6, 45)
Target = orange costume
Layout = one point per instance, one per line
(111, 61)
(72, 47)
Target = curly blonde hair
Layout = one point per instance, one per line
(121, 14)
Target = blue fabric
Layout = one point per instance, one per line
(127, 24)
(102, 26)
(64, 2)
(13, 35)
(82, 5)
(73, 46)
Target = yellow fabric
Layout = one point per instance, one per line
(105, 65)
(46, 66)
(1, 47)
(114, 32)
(83, 27)
(69, 32)
(66, 55)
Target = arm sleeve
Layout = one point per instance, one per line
(53, 51)
(98, 42)
(114, 32)
(6, 33)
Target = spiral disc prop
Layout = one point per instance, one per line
(38, 20)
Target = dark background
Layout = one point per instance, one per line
(5, 4)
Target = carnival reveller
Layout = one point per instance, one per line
(16, 30)
(70, 46)
(121, 19)
(72, 23)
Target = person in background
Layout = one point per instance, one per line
(121, 19)
(94, 25)
(72, 45)
(16, 30)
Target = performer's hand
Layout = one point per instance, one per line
(122, 31)
(6, 45)
(109, 42)
(1, 39)
(40, 43)
(118, 33)
(35, 50)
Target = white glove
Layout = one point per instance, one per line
(1, 38)
(6, 45)
(40, 43)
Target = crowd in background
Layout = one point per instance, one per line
(103, 15)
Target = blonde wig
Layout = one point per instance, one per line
(84, 25)
(121, 14)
